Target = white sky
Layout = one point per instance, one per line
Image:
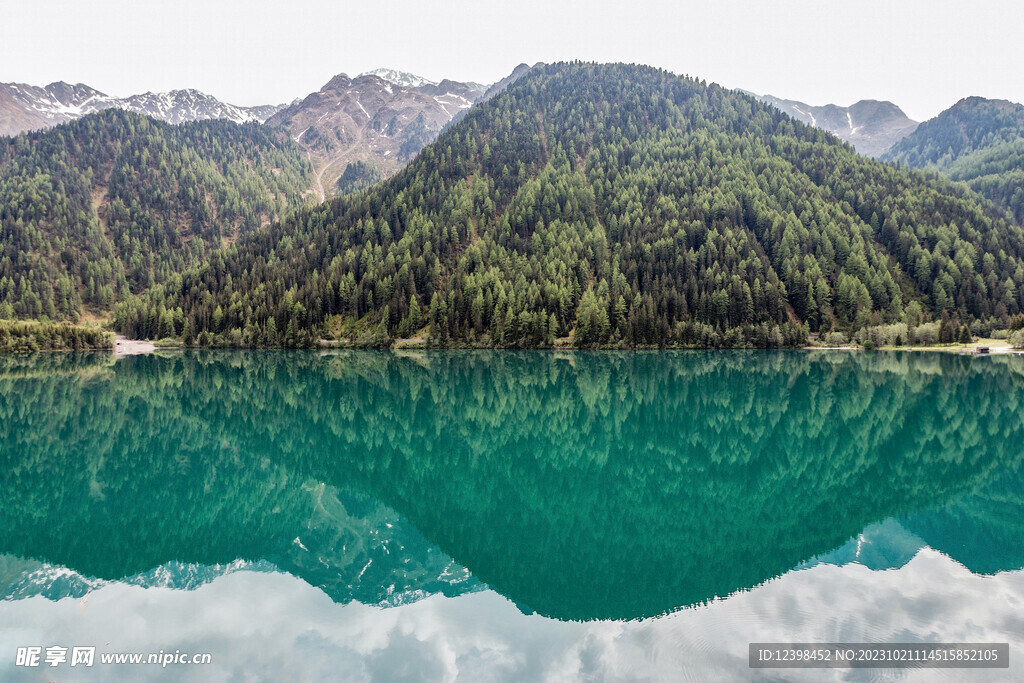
(923, 55)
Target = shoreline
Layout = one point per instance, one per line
(136, 347)
(124, 347)
(139, 347)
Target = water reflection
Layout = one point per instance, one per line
(295, 632)
(580, 486)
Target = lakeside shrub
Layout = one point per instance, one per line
(896, 334)
(27, 336)
(925, 335)
(833, 339)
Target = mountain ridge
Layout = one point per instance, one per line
(972, 124)
(400, 78)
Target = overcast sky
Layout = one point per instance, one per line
(922, 54)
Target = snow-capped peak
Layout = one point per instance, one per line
(402, 79)
(60, 102)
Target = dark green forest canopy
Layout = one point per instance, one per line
(358, 175)
(115, 202)
(996, 173)
(624, 203)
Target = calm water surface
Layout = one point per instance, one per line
(509, 516)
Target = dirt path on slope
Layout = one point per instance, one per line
(319, 175)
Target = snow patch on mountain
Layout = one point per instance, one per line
(814, 121)
(179, 106)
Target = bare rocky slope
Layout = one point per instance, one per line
(371, 122)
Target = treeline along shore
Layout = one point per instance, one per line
(27, 336)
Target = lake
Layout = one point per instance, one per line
(507, 515)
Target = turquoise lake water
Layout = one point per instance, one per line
(507, 515)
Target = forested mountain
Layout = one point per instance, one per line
(27, 107)
(116, 202)
(978, 141)
(971, 125)
(369, 122)
(619, 203)
(870, 126)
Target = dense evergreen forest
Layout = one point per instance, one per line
(622, 205)
(358, 175)
(996, 173)
(116, 202)
(978, 141)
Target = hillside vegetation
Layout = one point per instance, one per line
(978, 141)
(996, 173)
(115, 202)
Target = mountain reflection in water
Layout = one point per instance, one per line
(580, 486)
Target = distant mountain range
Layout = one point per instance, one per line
(28, 107)
(354, 130)
(358, 130)
(108, 206)
(870, 126)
